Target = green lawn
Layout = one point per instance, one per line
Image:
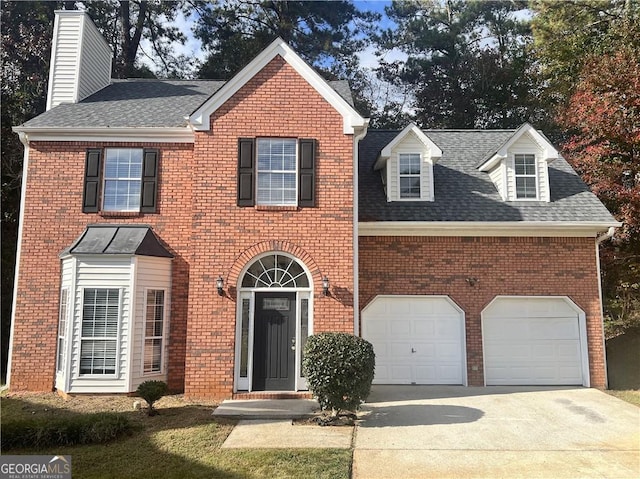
(183, 441)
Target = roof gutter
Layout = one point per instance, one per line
(485, 228)
(607, 235)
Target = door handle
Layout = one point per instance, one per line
(293, 344)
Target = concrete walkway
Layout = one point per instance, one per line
(407, 432)
(496, 432)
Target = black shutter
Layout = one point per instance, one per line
(306, 172)
(92, 178)
(246, 172)
(149, 190)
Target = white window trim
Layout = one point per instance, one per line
(105, 179)
(295, 172)
(420, 176)
(116, 375)
(162, 338)
(516, 176)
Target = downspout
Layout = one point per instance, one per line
(356, 245)
(600, 239)
(24, 139)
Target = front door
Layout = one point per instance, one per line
(274, 342)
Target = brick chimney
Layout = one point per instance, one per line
(80, 59)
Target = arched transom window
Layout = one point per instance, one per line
(275, 271)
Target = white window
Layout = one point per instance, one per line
(62, 326)
(409, 172)
(526, 178)
(154, 331)
(100, 321)
(122, 179)
(277, 171)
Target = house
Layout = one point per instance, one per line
(198, 231)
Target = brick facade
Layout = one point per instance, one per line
(502, 266)
(226, 237)
(53, 219)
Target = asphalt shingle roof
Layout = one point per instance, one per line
(463, 193)
(139, 103)
(118, 239)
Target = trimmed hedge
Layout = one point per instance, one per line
(64, 431)
(339, 369)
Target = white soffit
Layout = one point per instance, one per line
(352, 120)
(549, 151)
(480, 228)
(154, 135)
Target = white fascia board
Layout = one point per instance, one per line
(549, 151)
(352, 120)
(483, 228)
(434, 151)
(491, 162)
(137, 135)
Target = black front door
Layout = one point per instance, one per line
(274, 342)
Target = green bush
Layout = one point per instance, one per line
(64, 431)
(151, 391)
(339, 369)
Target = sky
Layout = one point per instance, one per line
(368, 59)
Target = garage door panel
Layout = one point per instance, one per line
(534, 345)
(400, 328)
(420, 343)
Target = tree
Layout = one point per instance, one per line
(467, 62)
(127, 24)
(567, 33)
(325, 34)
(604, 115)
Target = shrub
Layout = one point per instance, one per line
(64, 431)
(151, 391)
(339, 369)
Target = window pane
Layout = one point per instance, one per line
(304, 329)
(98, 357)
(122, 179)
(410, 187)
(244, 340)
(277, 171)
(154, 331)
(526, 187)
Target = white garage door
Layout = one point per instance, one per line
(417, 339)
(533, 341)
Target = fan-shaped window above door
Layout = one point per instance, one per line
(275, 271)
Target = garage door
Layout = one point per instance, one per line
(533, 341)
(417, 339)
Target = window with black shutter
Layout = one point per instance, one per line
(121, 180)
(276, 172)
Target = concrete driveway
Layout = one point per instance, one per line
(496, 432)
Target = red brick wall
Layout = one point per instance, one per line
(277, 102)
(53, 219)
(502, 266)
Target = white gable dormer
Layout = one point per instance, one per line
(406, 165)
(519, 168)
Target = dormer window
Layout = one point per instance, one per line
(409, 173)
(519, 168)
(526, 178)
(406, 165)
